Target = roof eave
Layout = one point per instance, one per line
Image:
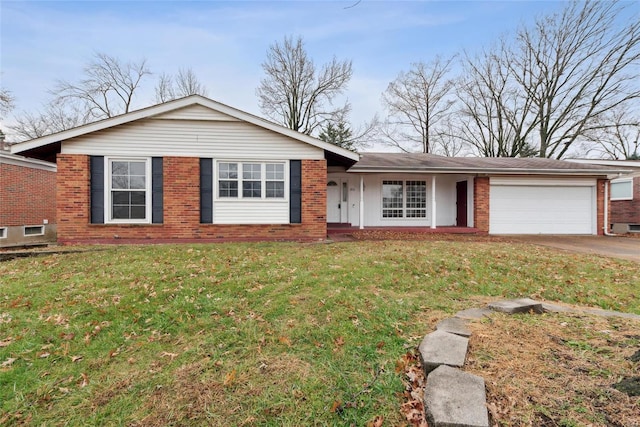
(174, 105)
(496, 171)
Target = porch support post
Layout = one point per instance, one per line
(361, 225)
(433, 201)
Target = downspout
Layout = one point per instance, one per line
(605, 227)
(361, 219)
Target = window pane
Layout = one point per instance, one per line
(275, 189)
(137, 168)
(120, 212)
(251, 189)
(622, 190)
(137, 198)
(228, 171)
(228, 189)
(251, 171)
(416, 199)
(119, 182)
(275, 171)
(137, 182)
(137, 212)
(119, 168)
(392, 199)
(120, 197)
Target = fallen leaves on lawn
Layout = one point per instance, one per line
(8, 362)
(414, 382)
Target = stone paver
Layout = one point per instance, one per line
(455, 325)
(453, 398)
(513, 306)
(474, 313)
(442, 348)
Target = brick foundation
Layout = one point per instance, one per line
(181, 197)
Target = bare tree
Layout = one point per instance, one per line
(575, 67)
(7, 101)
(56, 117)
(495, 116)
(185, 83)
(416, 102)
(297, 95)
(618, 137)
(107, 89)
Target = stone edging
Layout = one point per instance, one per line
(454, 398)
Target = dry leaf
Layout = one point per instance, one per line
(377, 421)
(8, 362)
(170, 355)
(85, 380)
(284, 340)
(6, 342)
(76, 358)
(44, 355)
(337, 406)
(230, 378)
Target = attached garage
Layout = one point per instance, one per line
(542, 206)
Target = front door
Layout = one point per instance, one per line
(333, 201)
(461, 203)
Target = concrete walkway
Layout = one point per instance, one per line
(616, 247)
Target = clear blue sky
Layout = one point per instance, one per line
(225, 42)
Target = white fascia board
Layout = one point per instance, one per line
(175, 105)
(502, 171)
(15, 160)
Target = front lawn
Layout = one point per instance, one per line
(255, 334)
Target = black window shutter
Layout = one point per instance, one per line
(295, 191)
(206, 191)
(156, 191)
(96, 166)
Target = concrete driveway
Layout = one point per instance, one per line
(616, 247)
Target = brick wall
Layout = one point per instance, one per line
(627, 211)
(27, 195)
(181, 197)
(481, 203)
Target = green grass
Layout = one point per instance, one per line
(254, 334)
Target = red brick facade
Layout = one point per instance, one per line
(627, 211)
(181, 216)
(28, 195)
(481, 204)
(600, 205)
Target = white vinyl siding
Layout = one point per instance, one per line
(248, 211)
(192, 138)
(196, 112)
(542, 206)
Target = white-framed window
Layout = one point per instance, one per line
(34, 230)
(404, 199)
(128, 190)
(622, 189)
(3, 232)
(251, 180)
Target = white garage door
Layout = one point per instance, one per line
(542, 209)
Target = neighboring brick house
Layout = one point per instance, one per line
(624, 214)
(193, 169)
(27, 201)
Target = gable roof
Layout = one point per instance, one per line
(420, 162)
(159, 109)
